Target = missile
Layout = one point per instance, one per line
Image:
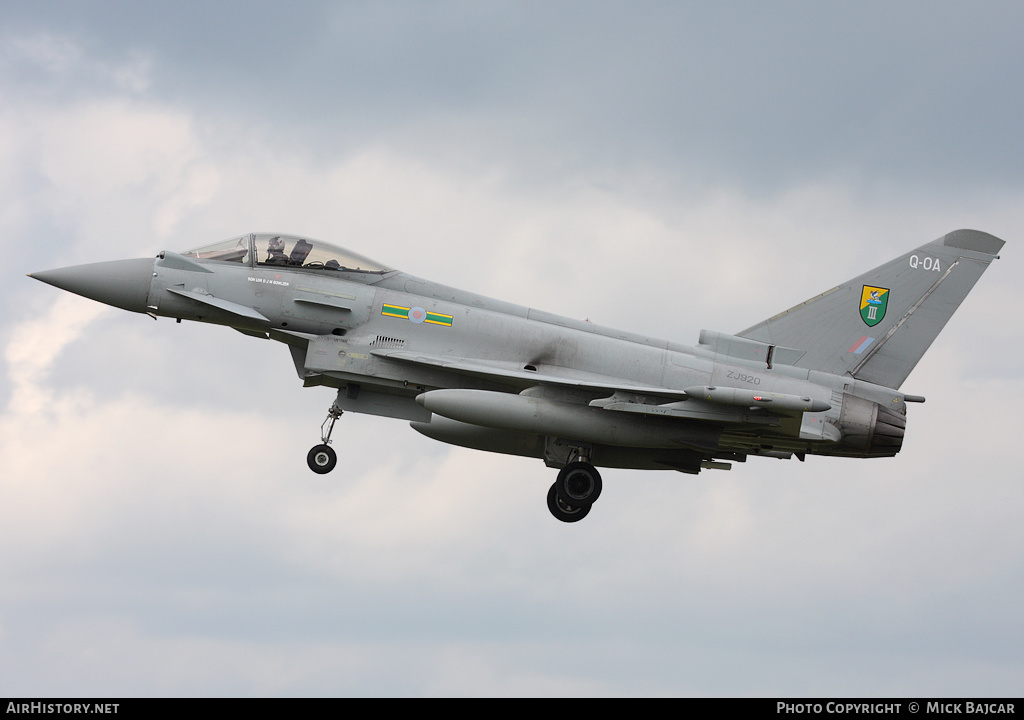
(542, 416)
(777, 402)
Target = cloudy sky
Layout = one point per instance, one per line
(657, 166)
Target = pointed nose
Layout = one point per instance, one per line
(121, 283)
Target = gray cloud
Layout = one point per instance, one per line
(917, 93)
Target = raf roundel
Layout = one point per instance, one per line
(417, 314)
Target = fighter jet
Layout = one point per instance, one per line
(821, 378)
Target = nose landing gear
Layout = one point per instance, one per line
(322, 458)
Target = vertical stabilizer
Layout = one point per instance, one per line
(876, 327)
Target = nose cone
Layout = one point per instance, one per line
(121, 283)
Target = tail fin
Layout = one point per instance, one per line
(877, 327)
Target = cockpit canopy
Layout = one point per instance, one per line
(289, 251)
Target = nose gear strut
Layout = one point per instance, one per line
(322, 458)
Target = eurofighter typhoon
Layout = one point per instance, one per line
(821, 378)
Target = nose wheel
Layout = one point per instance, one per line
(322, 458)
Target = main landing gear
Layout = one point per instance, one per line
(322, 458)
(576, 489)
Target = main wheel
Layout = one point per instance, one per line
(322, 459)
(578, 484)
(562, 511)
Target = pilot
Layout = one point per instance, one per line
(332, 264)
(275, 251)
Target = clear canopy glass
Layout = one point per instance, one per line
(294, 251)
(290, 251)
(234, 250)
